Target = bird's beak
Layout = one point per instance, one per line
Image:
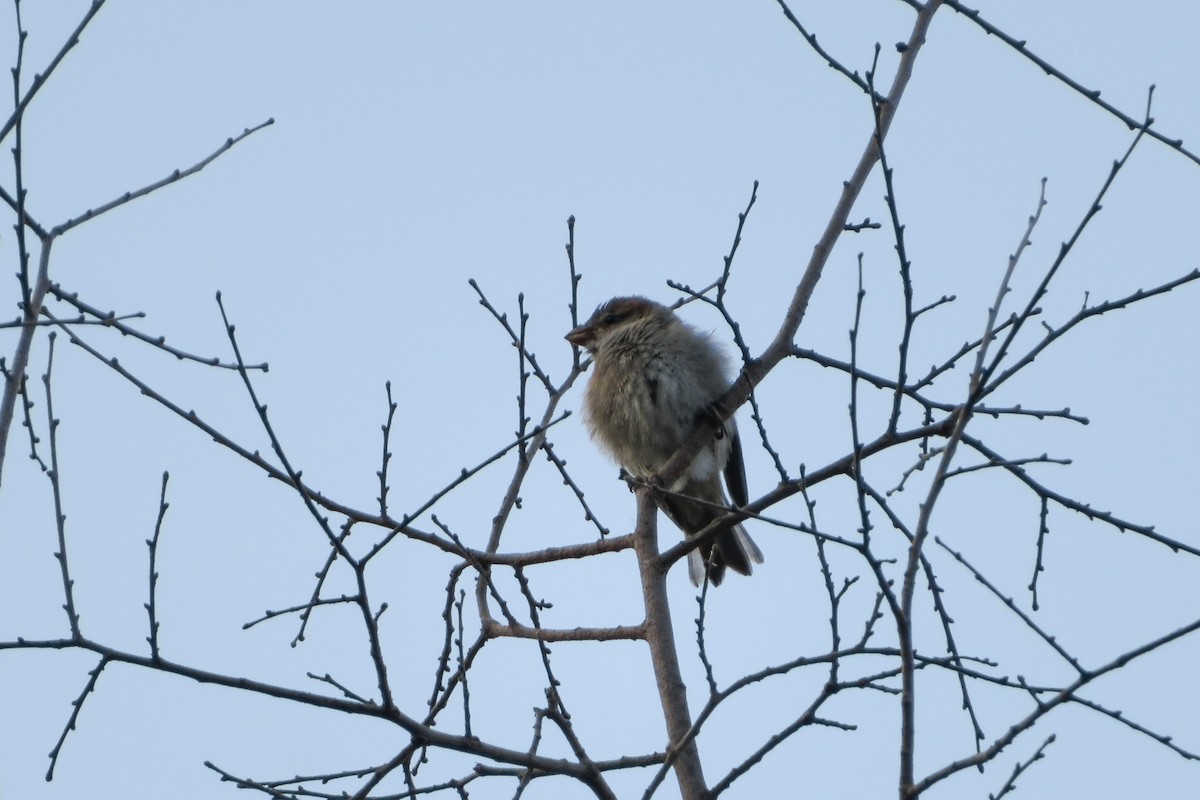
(581, 336)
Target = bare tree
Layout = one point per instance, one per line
(882, 556)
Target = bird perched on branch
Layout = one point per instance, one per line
(653, 377)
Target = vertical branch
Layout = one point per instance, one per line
(462, 663)
(723, 281)
(387, 453)
(660, 636)
(901, 252)
(26, 408)
(915, 550)
(18, 177)
(1038, 566)
(522, 376)
(904, 622)
(702, 605)
(977, 374)
(939, 606)
(443, 661)
(60, 519)
(575, 276)
(860, 482)
(15, 376)
(163, 505)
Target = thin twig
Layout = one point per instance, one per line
(1092, 95)
(152, 543)
(175, 176)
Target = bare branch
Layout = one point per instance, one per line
(175, 176)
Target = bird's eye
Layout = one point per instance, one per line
(612, 319)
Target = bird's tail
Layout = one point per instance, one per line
(734, 549)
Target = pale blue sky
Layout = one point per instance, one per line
(416, 146)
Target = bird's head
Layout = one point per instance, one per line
(615, 316)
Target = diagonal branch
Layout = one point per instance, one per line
(175, 176)
(781, 346)
(1092, 95)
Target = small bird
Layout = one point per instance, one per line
(653, 377)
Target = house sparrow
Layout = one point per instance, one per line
(653, 376)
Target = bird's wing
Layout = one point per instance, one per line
(735, 468)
